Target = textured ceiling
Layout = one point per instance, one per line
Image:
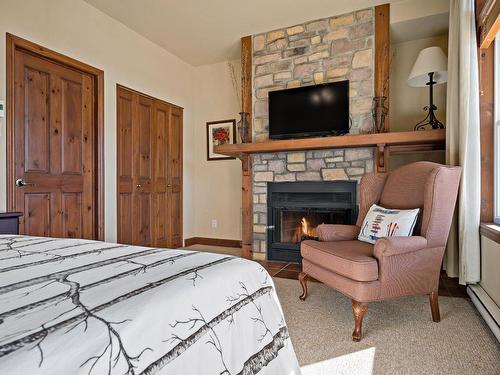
(208, 31)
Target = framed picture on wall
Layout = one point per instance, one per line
(220, 133)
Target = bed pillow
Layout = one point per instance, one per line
(383, 222)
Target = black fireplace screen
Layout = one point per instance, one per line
(296, 209)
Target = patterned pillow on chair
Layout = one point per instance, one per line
(383, 222)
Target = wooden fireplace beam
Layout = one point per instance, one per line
(246, 159)
(382, 74)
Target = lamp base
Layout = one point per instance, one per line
(430, 121)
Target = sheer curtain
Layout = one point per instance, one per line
(462, 141)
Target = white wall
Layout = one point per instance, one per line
(217, 184)
(76, 29)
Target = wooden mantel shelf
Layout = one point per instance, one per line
(421, 137)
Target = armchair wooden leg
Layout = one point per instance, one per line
(303, 282)
(359, 310)
(433, 299)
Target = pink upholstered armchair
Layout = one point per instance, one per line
(394, 266)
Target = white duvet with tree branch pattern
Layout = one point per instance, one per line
(71, 306)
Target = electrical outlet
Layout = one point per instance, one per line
(214, 223)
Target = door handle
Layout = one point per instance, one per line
(20, 183)
(169, 185)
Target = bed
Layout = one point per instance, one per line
(72, 306)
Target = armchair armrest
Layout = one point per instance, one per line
(388, 246)
(337, 232)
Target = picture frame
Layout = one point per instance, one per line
(220, 132)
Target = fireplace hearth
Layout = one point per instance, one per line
(296, 209)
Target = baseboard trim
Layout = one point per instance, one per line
(486, 307)
(212, 242)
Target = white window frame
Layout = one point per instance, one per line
(496, 131)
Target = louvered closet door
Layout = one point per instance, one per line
(54, 156)
(149, 170)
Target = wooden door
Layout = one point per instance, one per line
(174, 201)
(149, 170)
(53, 140)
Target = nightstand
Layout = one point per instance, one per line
(9, 222)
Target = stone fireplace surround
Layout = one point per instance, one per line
(326, 50)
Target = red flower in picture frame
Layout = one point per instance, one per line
(220, 136)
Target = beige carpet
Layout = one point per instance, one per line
(399, 336)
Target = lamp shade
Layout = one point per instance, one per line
(429, 60)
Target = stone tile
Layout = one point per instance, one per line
(305, 70)
(273, 35)
(300, 60)
(261, 109)
(336, 34)
(260, 168)
(346, 45)
(263, 81)
(308, 176)
(300, 167)
(259, 42)
(358, 154)
(296, 157)
(316, 39)
(297, 51)
(342, 61)
(259, 228)
(315, 164)
(340, 21)
(277, 45)
(281, 65)
(360, 106)
(355, 171)
(362, 59)
(322, 153)
(329, 174)
(260, 208)
(262, 69)
(338, 72)
(263, 198)
(277, 166)
(288, 177)
(295, 30)
(317, 25)
(360, 74)
(362, 30)
(319, 77)
(282, 76)
(335, 159)
(364, 15)
(264, 176)
(299, 43)
(319, 56)
(266, 58)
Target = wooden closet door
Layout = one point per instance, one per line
(134, 163)
(149, 170)
(54, 154)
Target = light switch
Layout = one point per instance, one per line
(2, 111)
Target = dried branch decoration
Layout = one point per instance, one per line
(236, 86)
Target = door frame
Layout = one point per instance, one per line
(14, 43)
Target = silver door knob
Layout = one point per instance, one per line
(20, 182)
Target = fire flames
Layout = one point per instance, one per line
(306, 230)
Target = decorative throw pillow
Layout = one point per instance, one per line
(383, 222)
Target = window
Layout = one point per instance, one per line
(496, 131)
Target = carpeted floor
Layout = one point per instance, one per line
(399, 336)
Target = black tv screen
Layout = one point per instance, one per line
(309, 111)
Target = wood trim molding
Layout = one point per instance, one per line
(14, 43)
(488, 21)
(223, 242)
(491, 231)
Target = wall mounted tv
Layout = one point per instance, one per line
(310, 111)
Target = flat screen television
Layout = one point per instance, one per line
(309, 111)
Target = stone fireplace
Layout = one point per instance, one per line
(330, 49)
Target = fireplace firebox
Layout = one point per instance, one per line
(294, 210)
